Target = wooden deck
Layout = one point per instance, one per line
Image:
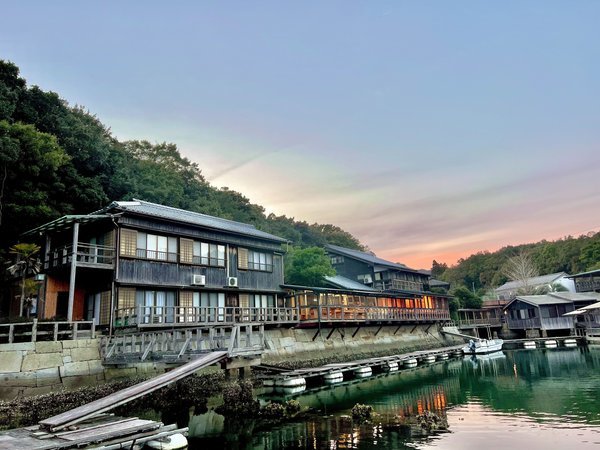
(104, 431)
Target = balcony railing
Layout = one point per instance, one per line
(491, 321)
(399, 285)
(152, 316)
(142, 316)
(87, 255)
(546, 323)
(45, 331)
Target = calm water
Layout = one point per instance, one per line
(533, 399)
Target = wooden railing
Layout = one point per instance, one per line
(400, 285)
(371, 313)
(144, 316)
(155, 316)
(546, 323)
(491, 321)
(87, 254)
(45, 331)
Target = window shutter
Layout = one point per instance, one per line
(128, 242)
(186, 252)
(244, 301)
(104, 318)
(126, 298)
(185, 299)
(242, 258)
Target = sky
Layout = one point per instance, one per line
(429, 130)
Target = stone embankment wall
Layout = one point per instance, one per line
(33, 368)
(296, 344)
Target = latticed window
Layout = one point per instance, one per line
(243, 258)
(128, 242)
(104, 318)
(186, 251)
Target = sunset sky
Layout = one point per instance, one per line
(429, 130)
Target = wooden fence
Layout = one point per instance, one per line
(45, 331)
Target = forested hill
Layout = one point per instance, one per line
(56, 159)
(483, 270)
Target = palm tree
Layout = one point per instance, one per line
(26, 262)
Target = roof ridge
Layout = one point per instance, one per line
(195, 212)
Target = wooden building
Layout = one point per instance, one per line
(147, 264)
(142, 265)
(587, 281)
(543, 315)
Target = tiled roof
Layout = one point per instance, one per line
(366, 257)
(189, 217)
(346, 283)
(535, 281)
(543, 300)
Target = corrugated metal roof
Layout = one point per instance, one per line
(190, 217)
(66, 221)
(542, 300)
(535, 281)
(366, 257)
(346, 283)
(583, 274)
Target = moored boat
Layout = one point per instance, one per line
(482, 346)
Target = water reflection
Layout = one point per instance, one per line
(539, 399)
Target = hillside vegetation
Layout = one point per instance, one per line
(483, 270)
(57, 159)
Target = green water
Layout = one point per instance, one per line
(533, 399)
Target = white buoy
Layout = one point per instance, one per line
(529, 344)
(291, 390)
(412, 362)
(291, 382)
(390, 366)
(428, 359)
(457, 353)
(570, 343)
(333, 377)
(363, 372)
(550, 343)
(174, 442)
(442, 356)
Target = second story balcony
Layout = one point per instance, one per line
(398, 285)
(87, 255)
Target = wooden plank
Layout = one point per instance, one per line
(123, 396)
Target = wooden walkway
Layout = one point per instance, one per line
(106, 432)
(353, 365)
(74, 416)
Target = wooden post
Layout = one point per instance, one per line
(55, 335)
(11, 333)
(34, 331)
(73, 271)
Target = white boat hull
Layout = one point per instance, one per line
(483, 346)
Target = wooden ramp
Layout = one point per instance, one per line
(66, 419)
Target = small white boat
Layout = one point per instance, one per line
(363, 372)
(333, 377)
(390, 366)
(291, 382)
(412, 362)
(482, 346)
(176, 441)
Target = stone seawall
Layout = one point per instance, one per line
(33, 368)
(296, 344)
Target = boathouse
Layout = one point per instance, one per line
(511, 289)
(587, 281)
(545, 315)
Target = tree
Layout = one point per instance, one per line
(26, 263)
(521, 268)
(437, 269)
(307, 266)
(466, 298)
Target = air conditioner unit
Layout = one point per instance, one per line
(199, 280)
(232, 281)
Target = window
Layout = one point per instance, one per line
(337, 260)
(155, 306)
(152, 246)
(263, 301)
(208, 254)
(210, 304)
(260, 261)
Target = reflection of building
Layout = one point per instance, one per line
(509, 290)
